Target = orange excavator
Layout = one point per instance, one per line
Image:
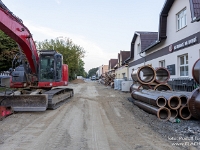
(40, 80)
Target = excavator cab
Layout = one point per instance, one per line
(50, 66)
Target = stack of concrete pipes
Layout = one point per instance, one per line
(167, 104)
(146, 77)
(151, 92)
(108, 80)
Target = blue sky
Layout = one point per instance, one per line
(101, 27)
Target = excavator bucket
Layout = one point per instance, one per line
(5, 111)
(25, 102)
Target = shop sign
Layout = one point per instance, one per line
(171, 69)
(186, 43)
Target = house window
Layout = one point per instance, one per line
(181, 19)
(138, 48)
(123, 75)
(162, 63)
(183, 65)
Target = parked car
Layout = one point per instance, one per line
(93, 78)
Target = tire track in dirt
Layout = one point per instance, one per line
(132, 133)
(96, 118)
(36, 132)
(68, 134)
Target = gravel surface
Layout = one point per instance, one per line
(185, 134)
(97, 117)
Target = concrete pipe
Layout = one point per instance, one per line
(184, 113)
(183, 99)
(162, 113)
(184, 96)
(145, 74)
(194, 103)
(196, 71)
(174, 113)
(131, 88)
(162, 87)
(158, 101)
(174, 102)
(162, 75)
(137, 86)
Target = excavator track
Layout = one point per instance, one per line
(58, 96)
(36, 100)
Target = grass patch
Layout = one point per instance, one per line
(2, 89)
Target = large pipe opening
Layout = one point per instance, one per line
(146, 74)
(184, 99)
(162, 75)
(164, 114)
(161, 102)
(174, 102)
(184, 113)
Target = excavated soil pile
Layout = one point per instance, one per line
(76, 81)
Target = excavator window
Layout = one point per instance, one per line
(58, 68)
(47, 69)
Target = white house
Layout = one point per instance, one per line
(176, 45)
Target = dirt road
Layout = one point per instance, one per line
(96, 118)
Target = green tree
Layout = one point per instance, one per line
(85, 74)
(81, 69)
(8, 49)
(72, 54)
(92, 72)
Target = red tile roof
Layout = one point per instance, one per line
(147, 39)
(112, 63)
(195, 9)
(124, 55)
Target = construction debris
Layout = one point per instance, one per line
(108, 79)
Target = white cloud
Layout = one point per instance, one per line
(95, 56)
(58, 1)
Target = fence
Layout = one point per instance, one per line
(183, 84)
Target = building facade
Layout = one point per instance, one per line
(102, 70)
(111, 65)
(121, 69)
(177, 46)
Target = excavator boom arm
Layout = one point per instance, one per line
(14, 27)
